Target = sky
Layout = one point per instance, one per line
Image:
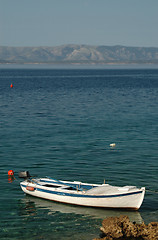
(91, 22)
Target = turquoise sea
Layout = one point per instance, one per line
(60, 123)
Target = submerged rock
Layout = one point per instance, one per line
(121, 228)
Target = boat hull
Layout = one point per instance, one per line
(130, 200)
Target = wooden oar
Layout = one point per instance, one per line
(67, 184)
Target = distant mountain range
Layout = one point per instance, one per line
(79, 54)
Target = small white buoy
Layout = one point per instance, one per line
(112, 144)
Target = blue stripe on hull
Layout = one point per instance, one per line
(84, 196)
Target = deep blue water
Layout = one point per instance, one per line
(60, 123)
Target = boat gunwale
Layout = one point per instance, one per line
(81, 194)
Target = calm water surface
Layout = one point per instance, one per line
(60, 123)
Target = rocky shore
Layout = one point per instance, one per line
(120, 228)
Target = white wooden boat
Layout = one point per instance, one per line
(84, 194)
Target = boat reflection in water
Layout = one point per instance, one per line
(30, 206)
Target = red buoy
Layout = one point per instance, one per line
(10, 172)
(11, 85)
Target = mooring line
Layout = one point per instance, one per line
(152, 191)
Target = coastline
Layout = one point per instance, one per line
(78, 66)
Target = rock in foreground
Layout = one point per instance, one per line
(121, 228)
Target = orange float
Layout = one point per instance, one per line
(10, 172)
(30, 188)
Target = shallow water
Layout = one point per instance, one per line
(61, 123)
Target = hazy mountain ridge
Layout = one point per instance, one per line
(72, 53)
